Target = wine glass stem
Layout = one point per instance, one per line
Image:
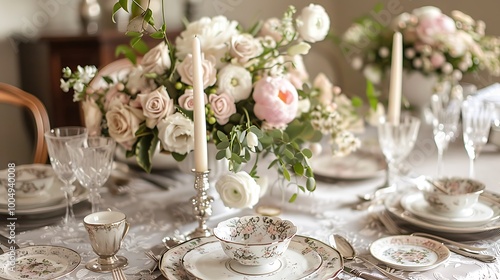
(69, 217)
(391, 168)
(440, 162)
(471, 167)
(94, 198)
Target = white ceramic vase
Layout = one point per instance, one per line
(417, 88)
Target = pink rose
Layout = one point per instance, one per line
(297, 73)
(186, 101)
(123, 121)
(245, 47)
(271, 28)
(185, 70)
(114, 94)
(325, 87)
(223, 106)
(157, 60)
(276, 101)
(437, 60)
(156, 105)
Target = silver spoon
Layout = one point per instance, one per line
(437, 186)
(347, 251)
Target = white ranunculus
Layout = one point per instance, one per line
(238, 190)
(176, 133)
(245, 47)
(313, 23)
(123, 121)
(157, 59)
(93, 116)
(185, 70)
(214, 34)
(156, 105)
(236, 81)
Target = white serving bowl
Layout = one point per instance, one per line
(28, 180)
(462, 194)
(255, 240)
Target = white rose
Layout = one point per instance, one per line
(157, 60)
(373, 73)
(238, 190)
(123, 121)
(93, 116)
(313, 23)
(176, 134)
(156, 105)
(244, 47)
(185, 70)
(214, 34)
(236, 81)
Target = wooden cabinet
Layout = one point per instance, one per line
(42, 61)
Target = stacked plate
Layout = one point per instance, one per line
(50, 201)
(203, 258)
(412, 208)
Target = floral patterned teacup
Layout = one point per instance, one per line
(255, 240)
(106, 231)
(462, 194)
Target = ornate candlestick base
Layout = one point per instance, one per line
(202, 208)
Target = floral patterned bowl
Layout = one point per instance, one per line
(255, 240)
(462, 194)
(29, 180)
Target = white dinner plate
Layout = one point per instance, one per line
(393, 206)
(171, 264)
(357, 166)
(79, 195)
(209, 261)
(411, 253)
(483, 212)
(39, 263)
(50, 196)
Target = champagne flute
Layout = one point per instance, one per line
(92, 161)
(445, 112)
(396, 142)
(61, 162)
(477, 116)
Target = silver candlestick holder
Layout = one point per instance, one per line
(202, 205)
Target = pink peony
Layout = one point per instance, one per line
(276, 101)
(432, 29)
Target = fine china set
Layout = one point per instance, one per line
(412, 208)
(359, 165)
(203, 258)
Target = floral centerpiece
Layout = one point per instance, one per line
(259, 99)
(433, 44)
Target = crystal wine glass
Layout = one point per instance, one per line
(445, 113)
(61, 162)
(396, 142)
(477, 116)
(92, 162)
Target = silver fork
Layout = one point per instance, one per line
(155, 258)
(118, 274)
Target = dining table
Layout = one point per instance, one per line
(157, 205)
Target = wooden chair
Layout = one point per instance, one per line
(15, 96)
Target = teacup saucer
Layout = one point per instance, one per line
(481, 213)
(209, 261)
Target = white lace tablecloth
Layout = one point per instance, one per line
(155, 213)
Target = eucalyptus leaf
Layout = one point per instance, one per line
(293, 198)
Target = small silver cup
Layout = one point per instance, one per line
(106, 231)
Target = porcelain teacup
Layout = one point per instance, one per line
(106, 231)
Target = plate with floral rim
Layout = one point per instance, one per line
(209, 261)
(171, 264)
(39, 263)
(80, 194)
(410, 253)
